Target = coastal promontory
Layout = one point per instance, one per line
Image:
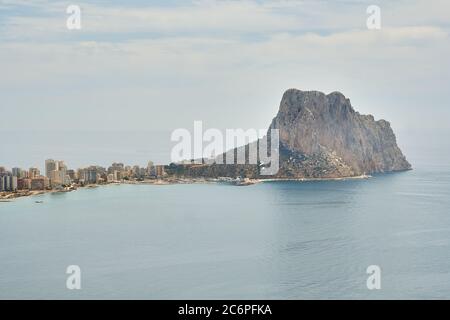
(321, 136)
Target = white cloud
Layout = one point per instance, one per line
(196, 62)
(222, 18)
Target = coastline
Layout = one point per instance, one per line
(9, 197)
(364, 176)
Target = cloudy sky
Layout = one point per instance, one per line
(160, 65)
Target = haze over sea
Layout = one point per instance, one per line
(272, 240)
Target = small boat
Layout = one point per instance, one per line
(39, 201)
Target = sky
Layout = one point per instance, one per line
(154, 66)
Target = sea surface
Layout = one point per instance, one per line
(276, 240)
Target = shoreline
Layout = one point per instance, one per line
(10, 197)
(364, 176)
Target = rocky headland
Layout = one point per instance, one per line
(321, 137)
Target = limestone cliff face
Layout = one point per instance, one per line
(323, 136)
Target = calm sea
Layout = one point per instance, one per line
(279, 240)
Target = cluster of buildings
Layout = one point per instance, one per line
(18, 179)
(58, 176)
(117, 172)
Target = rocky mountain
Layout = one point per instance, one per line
(321, 136)
(335, 140)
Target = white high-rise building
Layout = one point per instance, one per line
(8, 183)
(50, 165)
(56, 171)
(13, 183)
(17, 172)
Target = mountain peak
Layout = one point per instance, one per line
(314, 124)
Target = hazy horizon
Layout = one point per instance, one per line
(81, 149)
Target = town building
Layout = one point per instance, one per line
(16, 172)
(50, 165)
(40, 183)
(56, 171)
(160, 172)
(8, 182)
(33, 173)
(24, 184)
